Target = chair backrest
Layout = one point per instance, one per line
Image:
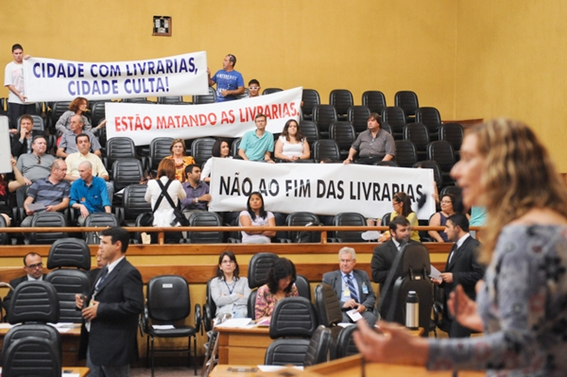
(99, 219)
(208, 219)
(386, 219)
(349, 219)
(302, 285)
(320, 347)
(258, 268)
(40, 330)
(271, 90)
(168, 298)
(418, 134)
(47, 219)
(234, 147)
(98, 113)
(126, 172)
(205, 98)
(69, 252)
(4, 237)
(341, 99)
(159, 149)
(430, 117)
(454, 190)
(133, 202)
(343, 133)
(136, 100)
(31, 356)
(387, 163)
(293, 316)
(202, 149)
(169, 100)
(324, 116)
(309, 130)
(303, 218)
(345, 342)
(324, 149)
(375, 100)
(442, 152)
(430, 164)
(119, 148)
(406, 154)
(395, 117)
(57, 109)
(328, 305)
(309, 98)
(209, 309)
(34, 301)
(453, 133)
(286, 351)
(358, 116)
(407, 100)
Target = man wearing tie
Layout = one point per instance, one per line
(111, 310)
(384, 256)
(461, 268)
(352, 287)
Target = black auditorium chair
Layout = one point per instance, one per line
(324, 116)
(395, 118)
(234, 147)
(98, 219)
(292, 317)
(169, 100)
(168, 303)
(4, 237)
(349, 219)
(302, 285)
(387, 163)
(47, 220)
(321, 347)
(407, 100)
(345, 342)
(329, 308)
(202, 149)
(98, 113)
(159, 149)
(342, 100)
(271, 90)
(133, 204)
(442, 152)
(453, 133)
(57, 109)
(126, 172)
(258, 268)
(358, 117)
(309, 98)
(69, 260)
(309, 130)
(205, 98)
(303, 218)
(431, 118)
(119, 148)
(418, 134)
(374, 100)
(207, 219)
(326, 150)
(406, 154)
(344, 134)
(430, 164)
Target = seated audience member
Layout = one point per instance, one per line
(372, 145)
(164, 214)
(197, 191)
(89, 194)
(33, 266)
(230, 83)
(440, 218)
(52, 192)
(75, 159)
(33, 166)
(402, 207)
(254, 88)
(180, 160)
(68, 143)
(281, 279)
(256, 215)
(462, 268)
(6, 188)
(229, 291)
(384, 255)
(78, 106)
(221, 149)
(257, 145)
(352, 287)
(20, 143)
(291, 144)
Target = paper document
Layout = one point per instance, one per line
(163, 327)
(275, 368)
(236, 322)
(435, 273)
(35, 207)
(354, 315)
(370, 235)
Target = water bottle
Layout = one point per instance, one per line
(412, 311)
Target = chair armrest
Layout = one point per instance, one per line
(198, 319)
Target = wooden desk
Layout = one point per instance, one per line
(243, 346)
(69, 344)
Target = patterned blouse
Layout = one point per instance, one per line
(266, 302)
(523, 307)
(180, 168)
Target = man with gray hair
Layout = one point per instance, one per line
(89, 193)
(352, 287)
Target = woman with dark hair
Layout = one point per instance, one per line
(256, 215)
(229, 291)
(522, 304)
(281, 279)
(440, 218)
(291, 144)
(78, 106)
(401, 204)
(180, 160)
(221, 149)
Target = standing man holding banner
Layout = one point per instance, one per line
(230, 83)
(14, 81)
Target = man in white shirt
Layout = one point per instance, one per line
(14, 81)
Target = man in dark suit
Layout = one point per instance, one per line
(21, 141)
(111, 310)
(384, 256)
(352, 287)
(461, 268)
(33, 266)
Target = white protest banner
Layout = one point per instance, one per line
(5, 153)
(61, 80)
(324, 189)
(144, 122)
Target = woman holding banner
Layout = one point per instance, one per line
(292, 145)
(180, 160)
(221, 149)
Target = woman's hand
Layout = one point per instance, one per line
(464, 310)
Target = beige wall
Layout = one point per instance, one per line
(468, 58)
